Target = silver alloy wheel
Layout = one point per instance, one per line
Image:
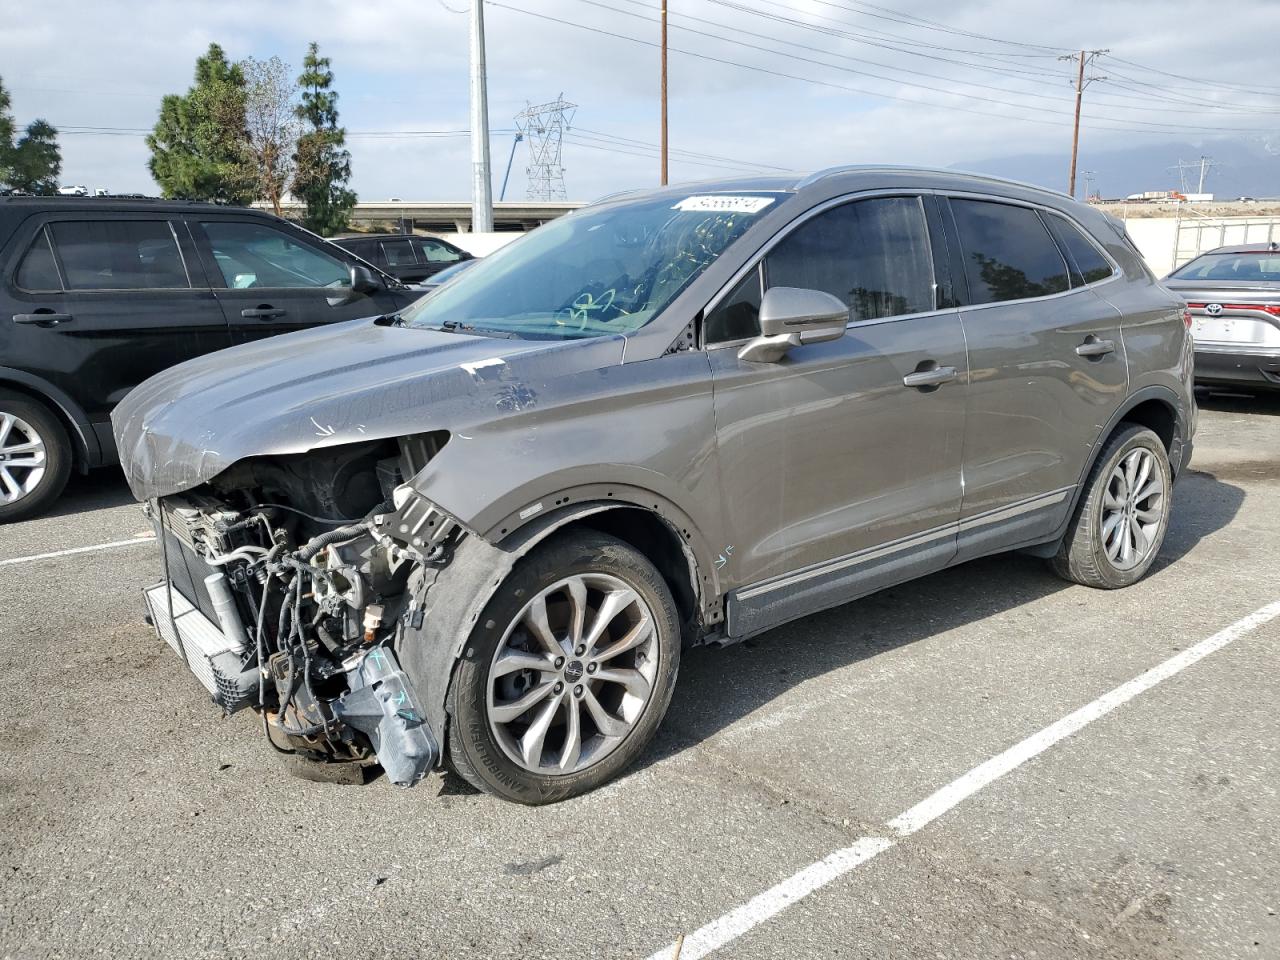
(573, 674)
(22, 458)
(1132, 509)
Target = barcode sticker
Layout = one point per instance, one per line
(723, 204)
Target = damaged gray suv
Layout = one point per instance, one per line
(481, 531)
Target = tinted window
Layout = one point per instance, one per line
(37, 270)
(1264, 265)
(737, 316)
(872, 254)
(433, 251)
(1087, 260)
(119, 255)
(257, 255)
(1008, 253)
(399, 253)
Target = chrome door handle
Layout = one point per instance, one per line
(1094, 348)
(933, 377)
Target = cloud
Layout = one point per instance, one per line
(401, 66)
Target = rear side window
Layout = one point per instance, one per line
(119, 255)
(1087, 261)
(872, 254)
(1008, 253)
(254, 255)
(37, 270)
(399, 253)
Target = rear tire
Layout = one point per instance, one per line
(1120, 523)
(587, 634)
(35, 457)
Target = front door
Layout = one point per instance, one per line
(270, 279)
(838, 476)
(1047, 364)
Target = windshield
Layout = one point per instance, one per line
(1262, 266)
(593, 273)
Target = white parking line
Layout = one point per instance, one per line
(773, 901)
(66, 553)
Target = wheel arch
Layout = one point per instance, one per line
(84, 442)
(1154, 407)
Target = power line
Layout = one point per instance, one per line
(1144, 107)
(1161, 127)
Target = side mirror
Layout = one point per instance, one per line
(363, 280)
(792, 316)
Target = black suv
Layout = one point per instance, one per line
(404, 256)
(98, 294)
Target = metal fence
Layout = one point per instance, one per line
(1194, 233)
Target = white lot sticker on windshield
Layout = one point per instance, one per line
(724, 204)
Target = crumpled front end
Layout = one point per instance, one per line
(290, 588)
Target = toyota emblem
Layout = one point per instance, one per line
(1213, 309)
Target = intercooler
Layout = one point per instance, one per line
(215, 659)
(213, 641)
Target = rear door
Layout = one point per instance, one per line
(271, 278)
(401, 258)
(1047, 369)
(105, 300)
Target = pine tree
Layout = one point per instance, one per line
(36, 161)
(323, 165)
(199, 145)
(33, 163)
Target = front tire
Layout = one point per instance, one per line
(35, 457)
(568, 689)
(1121, 521)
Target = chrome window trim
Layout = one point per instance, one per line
(758, 257)
(173, 232)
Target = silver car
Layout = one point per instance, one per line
(1233, 294)
(482, 530)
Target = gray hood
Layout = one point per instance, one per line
(329, 386)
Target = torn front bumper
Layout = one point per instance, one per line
(380, 703)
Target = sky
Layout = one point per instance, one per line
(755, 85)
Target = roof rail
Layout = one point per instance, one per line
(855, 167)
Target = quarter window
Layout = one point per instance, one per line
(872, 254)
(119, 255)
(737, 316)
(37, 270)
(1086, 259)
(252, 255)
(1008, 253)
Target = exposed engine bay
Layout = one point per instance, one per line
(288, 582)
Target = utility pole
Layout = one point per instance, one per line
(481, 183)
(1083, 58)
(663, 138)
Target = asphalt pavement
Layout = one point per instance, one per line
(135, 821)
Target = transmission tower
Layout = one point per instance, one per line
(543, 127)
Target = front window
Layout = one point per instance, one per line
(252, 255)
(1261, 266)
(596, 272)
